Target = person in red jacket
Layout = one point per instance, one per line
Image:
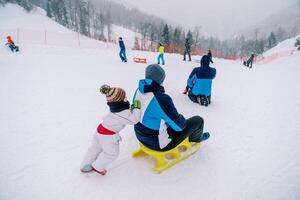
(11, 44)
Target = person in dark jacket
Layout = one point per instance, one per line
(199, 83)
(210, 55)
(249, 62)
(187, 49)
(122, 53)
(161, 127)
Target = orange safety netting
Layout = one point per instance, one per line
(71, 39)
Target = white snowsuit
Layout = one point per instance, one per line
(105, 148)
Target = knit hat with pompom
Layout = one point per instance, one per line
(113, 94)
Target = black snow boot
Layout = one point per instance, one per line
(202, 100)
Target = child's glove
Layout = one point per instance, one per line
(136, 104)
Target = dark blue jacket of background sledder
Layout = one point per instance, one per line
(200, 80)
(159, 117)
(122, 45)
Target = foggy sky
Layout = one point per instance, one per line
(218, 17)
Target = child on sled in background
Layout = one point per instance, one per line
(11, 44)
(105, 143)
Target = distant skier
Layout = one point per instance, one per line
(249, 62)
(160, 58)
(187, 49)
(105, 143)
(122, 53)
(11, 44)
(210, 55)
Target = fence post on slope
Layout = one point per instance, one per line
(18, 33)
(45, 37)
(78, 39)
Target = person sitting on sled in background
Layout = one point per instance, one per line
(249, 62)
(122, 53)
(104, 148)
(11, 44)
(161, 50)
(162, 128)
(199, 83)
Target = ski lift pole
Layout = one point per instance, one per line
(18, 33)
(45, 37)
(78, 39)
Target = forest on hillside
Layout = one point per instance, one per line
(96, 18)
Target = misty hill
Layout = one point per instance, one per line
(36, 28)
(286, 22)
(97, 19)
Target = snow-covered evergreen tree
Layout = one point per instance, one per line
(99, 26)
(272, 41)
(58, 9)
(83, 18)
(136, 44)
(189, 36)
(259, 47)
(2, 2)
(177, 36)
(166, 37)
(153, 36)
(49, 9)
(26, 4)
(281, 34)
(297, 43)
(196, 34)
(108, 24)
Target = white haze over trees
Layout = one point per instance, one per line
(218, 18)
(207, 24)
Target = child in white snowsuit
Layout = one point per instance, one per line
(105, 143)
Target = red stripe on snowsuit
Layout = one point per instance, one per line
(104, 131)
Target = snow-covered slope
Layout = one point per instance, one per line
(36, 28)
(13, 16)
(284, 46)
(50, 107)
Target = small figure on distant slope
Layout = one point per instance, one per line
(249, 62)
(160, 57)
(210, 55)
(187, 49)
(122, 53)
(11, 44)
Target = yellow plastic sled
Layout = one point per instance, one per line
(167, 159)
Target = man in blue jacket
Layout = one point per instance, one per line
(122, 53)
(199, 83)
(161, 127)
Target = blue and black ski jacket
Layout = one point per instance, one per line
(159, 116)
(200, 80)
(121, 45)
